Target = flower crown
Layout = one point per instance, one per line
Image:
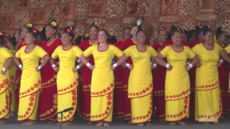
(143, 29)
(41, 29)
(68, 30)
(53, 23)
(1, 34)
(34, 31)
(95, 23)
(30, 25)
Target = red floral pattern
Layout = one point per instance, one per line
(32, 89)
(69, 115)
(182, 113)
(30, 107)
(69, 88)
(178, 96)
(108, 108)
(104, 91)
(218, 113)
(143, 92)
(6, 108)
(4, 85)
(148, 115)
(207, 87)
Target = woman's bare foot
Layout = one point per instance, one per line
(45, 121)
(106, 124)
(148, 124)
(29, 122)
(2, 121)
(173, 123)
(181, 123)
(130, 121)
(216, 122)
(67, 123)
(100, 123)
(140, 124)
(58, 124)
(122, 121)
(90, 123)
(206, 123)
(12, 114)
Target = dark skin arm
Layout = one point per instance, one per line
(7, 64)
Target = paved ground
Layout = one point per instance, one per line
(79, 123)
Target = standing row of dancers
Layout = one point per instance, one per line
(43, 77)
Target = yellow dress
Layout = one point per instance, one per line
(30, 82)
(177, 84)
(102, 84)
(67, 81)
(13, 106)
(228, 51)
(4, 84)
(140, 85)
(208, 103)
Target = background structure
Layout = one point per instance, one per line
(112, 14)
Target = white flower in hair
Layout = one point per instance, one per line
(222, 29)
(139, 21)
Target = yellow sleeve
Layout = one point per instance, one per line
(89, 51)
(196, 49)
(6, 54)
(117, 51)
(18, 53)
(190, 53)
(154, 53)
(128, 52)
(41, 53)
(219, 48)
(165, 51)
(78, 52)
(55, 53)
(227, 49)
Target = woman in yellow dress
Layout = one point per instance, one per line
(67, 76)
(177, 84)
(102, 84)
(11, 44)
(140, 85)
(5, 62)
(208, 103)
(30, 55)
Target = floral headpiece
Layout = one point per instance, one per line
(11, 36)
(53, 23)
(30, 25)
(1, 34)
(86, 35)
(41, 29)
(34, 31)
(143, 29)
(105, 30)
(95, 23)
(68, 30)
(129, 26)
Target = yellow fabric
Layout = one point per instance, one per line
(215, 40)
(102, 77)
(28, 107)
(30, 79)
(208, 98)
(102, 84)
(67, 80)
(102, 108)
(141, 109)
(65, 101)
(5, 104)
(140, 78)
(208, 105)
(228, 51)
(177, 110)
(207, 74)
(13, 104)
(177, 83)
